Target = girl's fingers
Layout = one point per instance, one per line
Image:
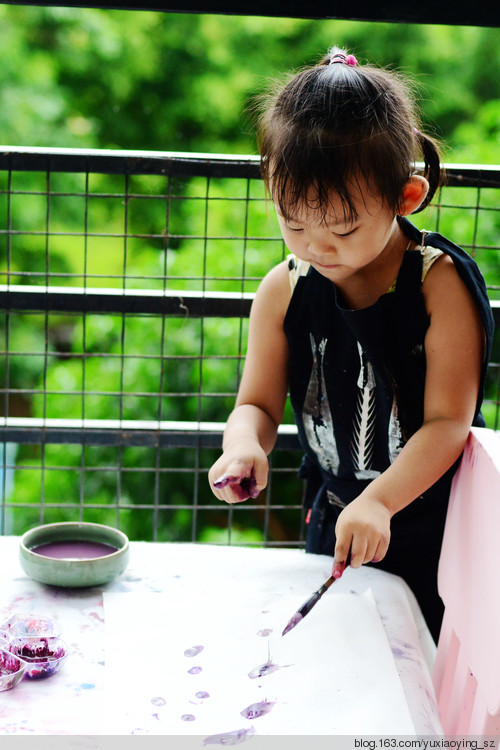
(234, 488)
(343, 551)
(358, 552)
(380, 552)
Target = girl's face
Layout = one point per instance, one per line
(336, 247)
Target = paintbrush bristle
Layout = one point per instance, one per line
(292, 623)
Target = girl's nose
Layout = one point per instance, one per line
(322, 251)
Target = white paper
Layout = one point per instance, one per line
(336, 670)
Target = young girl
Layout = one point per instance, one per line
(380, 332)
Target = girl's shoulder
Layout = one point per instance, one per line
(274, 290)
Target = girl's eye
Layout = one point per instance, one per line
(346, 234)
(293, 229)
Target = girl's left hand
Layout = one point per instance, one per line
(363, 529)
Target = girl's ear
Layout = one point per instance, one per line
(414, 193)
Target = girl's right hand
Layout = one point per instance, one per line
(239, 474)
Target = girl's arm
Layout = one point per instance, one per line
(251, 429)
(454, 349)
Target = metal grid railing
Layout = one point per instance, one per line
(126, 282)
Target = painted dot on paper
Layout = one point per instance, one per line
(158, 701)
(255, 710)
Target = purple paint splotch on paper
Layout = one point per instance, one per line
(193, 651)
(230, 738)
(262, 670)
(195, 670)
(202, 694)
(264, 633)
(158, 701)
(255, 710)
(188, 717)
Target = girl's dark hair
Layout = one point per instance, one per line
(331, 124)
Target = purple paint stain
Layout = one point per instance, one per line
(77, 550)
(193, 651)
(158, 701)
(230, 738)
(264, 633)
(195, 670)
(188, 717)
(400, 654)
(243, 486)
(263, 670)
(255, 710)
(202, 694)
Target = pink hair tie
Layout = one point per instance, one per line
(339, 57)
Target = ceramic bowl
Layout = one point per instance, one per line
(12, 669)
(28, 623)
(43, 655)
(52, 553)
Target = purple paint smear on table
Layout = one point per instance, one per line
(230, 738)
(74, 550)
(255, 710)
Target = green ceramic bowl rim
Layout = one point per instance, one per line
(73, 531)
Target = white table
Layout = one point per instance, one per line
(128, 673)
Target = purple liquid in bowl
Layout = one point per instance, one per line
(74, 550)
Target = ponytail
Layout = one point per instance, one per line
(433, 172)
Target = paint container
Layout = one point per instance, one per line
(74, 554)
(12, 669)
(29, 623)
(44, 656)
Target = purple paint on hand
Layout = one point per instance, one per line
(244, 486)
(224, 480)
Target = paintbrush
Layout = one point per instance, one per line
(309, 604)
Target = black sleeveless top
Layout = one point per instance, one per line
(357, 377)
